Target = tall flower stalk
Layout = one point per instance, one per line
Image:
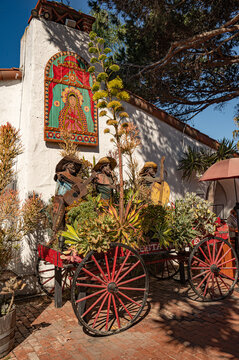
(108, 91)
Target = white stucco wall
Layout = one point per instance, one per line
(41, 40)
(24, 108)
(10, 95)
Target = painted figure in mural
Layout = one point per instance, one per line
(72, 117)
(105, 179)
(69, 186)
(69, 103)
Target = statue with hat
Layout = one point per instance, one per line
(70, 187)
(160, 190)
(105, 180)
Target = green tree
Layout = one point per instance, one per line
(180, 54)
(109, 27)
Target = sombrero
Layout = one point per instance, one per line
(105, 160)
(65, 160)
(148, 164)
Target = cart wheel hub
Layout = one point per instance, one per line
(112, 287)
(214, 269)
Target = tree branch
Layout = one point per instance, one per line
(193, 42)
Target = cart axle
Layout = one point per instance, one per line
(112, 287)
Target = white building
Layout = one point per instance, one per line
(24, 104)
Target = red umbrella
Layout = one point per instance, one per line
(225, 169)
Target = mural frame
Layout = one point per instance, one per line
(52, 133)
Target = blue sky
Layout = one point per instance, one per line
(15, 14)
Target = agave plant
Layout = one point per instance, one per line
(129, 230)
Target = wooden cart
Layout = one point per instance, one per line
(109, 290)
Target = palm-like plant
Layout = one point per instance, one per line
(194, 161)
(226, 150)
(198, 161)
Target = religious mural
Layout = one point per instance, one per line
(69, 101)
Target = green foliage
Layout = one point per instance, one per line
(103, 113)
(102, 76)
(95, 86)
(92, 227)
(114, 67)
(178, 225)
(182, 228)
(128, 230)
(91, 69)
(203, 218)
(198, 161)
(116, 83)
(194, 161)
(123, 95)
(160, 228)
(107, 50)
(102, 104)
(100, 94)
(167, 55)
(226, 150)
(108, 27)
(93, 50)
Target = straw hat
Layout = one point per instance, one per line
(148, 164)
(105, 160)
(67, 159)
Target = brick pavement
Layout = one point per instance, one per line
(173, 326)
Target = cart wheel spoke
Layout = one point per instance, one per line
(204, 255)
(107, 266)
(201, 274)
(101, 306)
(223, 256)
(123, 265)
(121, 302)
(99, 267)
(108, 312)
(116, 312)
(130, 280)
(114, 263)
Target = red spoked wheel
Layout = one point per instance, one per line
(163, 265)
(110, 290)
(213, 269)
(45, 273)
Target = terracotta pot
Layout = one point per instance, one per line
(7, 332)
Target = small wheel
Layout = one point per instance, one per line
(45, 273)
(163, 265)
(213, 269)
(110, 290)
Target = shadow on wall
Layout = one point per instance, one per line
(66, 39)
(160, 139)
